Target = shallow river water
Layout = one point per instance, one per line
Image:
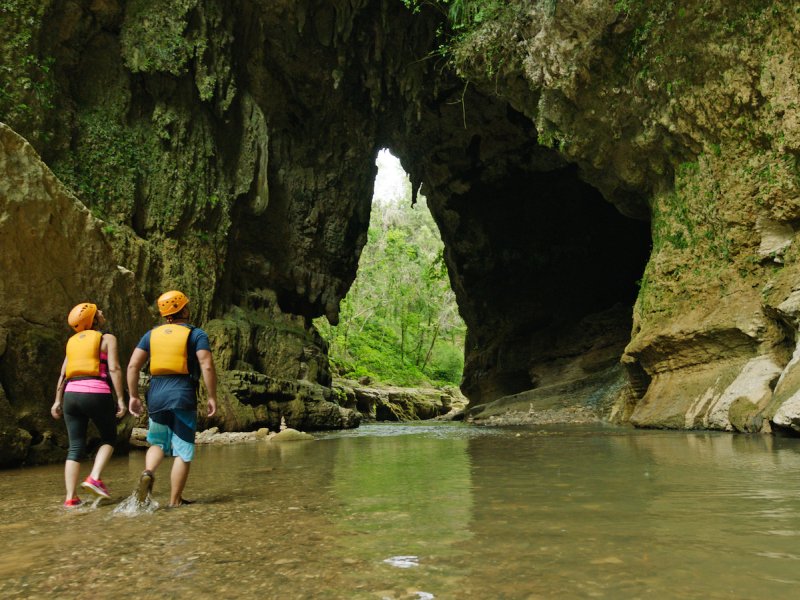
(427, 511)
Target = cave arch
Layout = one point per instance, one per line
(545, 271)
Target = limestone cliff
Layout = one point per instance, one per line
(569, 150)
(53, 254)
(685, 114)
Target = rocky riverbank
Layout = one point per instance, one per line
(370, 400)
(379, 402)
(589, 399)
(214, 436)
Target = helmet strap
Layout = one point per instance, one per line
(181, 315)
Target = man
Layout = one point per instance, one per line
(179, 353)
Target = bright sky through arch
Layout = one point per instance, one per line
(392, 184)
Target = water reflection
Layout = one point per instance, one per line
(625, 513)
(405, 506)
(428, 512)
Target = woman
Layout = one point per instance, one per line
(90, 368)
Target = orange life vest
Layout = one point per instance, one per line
(168, 350)
(83, 354)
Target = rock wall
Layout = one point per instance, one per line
(229, 154)
(53, 254)
(615, 183)
(668, 122)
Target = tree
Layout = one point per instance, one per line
(399, 322)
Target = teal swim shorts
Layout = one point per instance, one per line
(173, 431)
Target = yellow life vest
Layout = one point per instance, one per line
(83, 354)
(168, 350)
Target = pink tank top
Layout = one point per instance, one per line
(93, 385)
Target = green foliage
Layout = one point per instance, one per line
(110, 230)
(173, 37)
(27, 86)
(469, 14)
(464, 19)
(694, 244)
(105, 165)
(399, 323)
(155, 36)
(651, 52)
(689, 216)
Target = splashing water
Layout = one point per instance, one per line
(84, 507)
(131, 507)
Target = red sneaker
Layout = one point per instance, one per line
(72, 502)
(96, 487)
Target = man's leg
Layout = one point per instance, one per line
(153, 458)
(159, 435)
(183, 451)
(178, 477)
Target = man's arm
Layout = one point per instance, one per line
(138, 358)
(209, 378)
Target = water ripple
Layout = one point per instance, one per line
(403, 562)
(781, 555)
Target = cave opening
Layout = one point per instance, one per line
(546, 273)
(399, 323)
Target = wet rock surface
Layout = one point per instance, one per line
(391, 403)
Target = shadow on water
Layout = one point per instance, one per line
(427, 511)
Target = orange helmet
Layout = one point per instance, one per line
(171, 302)
(82, 316)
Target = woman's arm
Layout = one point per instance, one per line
(109, 344)
(55, 410)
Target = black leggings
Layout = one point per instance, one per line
(79, 407)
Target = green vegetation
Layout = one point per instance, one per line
(651, 53)
(27, 86)
(700, 227)
(172, 37)
(399, 323)
(155, 36)
(465, 15)
(107, 161)
(463, 24)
